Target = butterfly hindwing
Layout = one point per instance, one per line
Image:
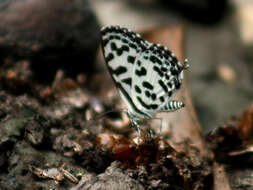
(155, 79)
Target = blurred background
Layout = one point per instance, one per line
(218, 45)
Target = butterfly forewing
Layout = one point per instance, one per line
(121, 48)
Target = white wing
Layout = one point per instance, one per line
(121, 47)
(156, 76)
(145, 74)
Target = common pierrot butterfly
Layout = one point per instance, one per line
(146, 74)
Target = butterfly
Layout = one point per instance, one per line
(146, 74)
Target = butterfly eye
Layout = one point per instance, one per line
(186, 64)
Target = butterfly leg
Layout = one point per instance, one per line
(161, 124)
(134, 122)
(136, 125)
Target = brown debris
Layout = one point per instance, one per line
(57, 174)
(128, 152)
(233, 149)
(245, 126)
(234, 137)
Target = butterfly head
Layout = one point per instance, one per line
(182, 68)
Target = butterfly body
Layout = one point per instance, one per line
(146, 74)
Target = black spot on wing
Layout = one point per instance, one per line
(158, 53)
(113, 46)
(174, 71)
(162, 99)
(105, 42)
(137, 89)
(166, 55)
(119, 70)
(147, 93)
(117, 37)
(132, 45)
(177, 83)
(127, 81)
(141, 72)
(154, 106)
(153, 96)
(147, 85)
(109, 57)
(164, 87)
(167, 76)
(140, 43)
(169, 85)
(172, 63)
(164, 69)
(119, 52)
(125, 41)
(159, 72)
(125, 48)
(154, 59)
(131, 59)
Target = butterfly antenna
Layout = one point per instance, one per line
(107, 112)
